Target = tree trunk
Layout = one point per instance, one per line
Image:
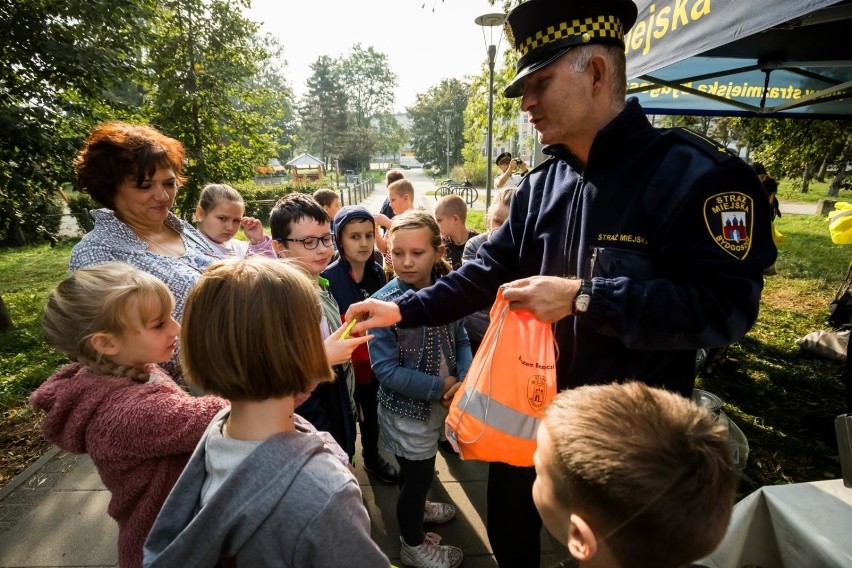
(820, 177)
(806, 178)
(5, 318)
(834, 188)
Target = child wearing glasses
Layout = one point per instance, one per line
(301, 231)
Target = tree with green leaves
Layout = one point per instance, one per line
(391, 137)
(324, 119)
(359, 145)
(368, 82)
(61, 65)
(428, 126)
(505, 111)
(274, 99)
(702, 124)
(203, 59)
(795, 148)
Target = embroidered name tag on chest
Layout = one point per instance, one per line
(729, 218)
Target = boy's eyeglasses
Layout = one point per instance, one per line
(310, 243)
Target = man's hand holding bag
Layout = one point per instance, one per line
(495, 414)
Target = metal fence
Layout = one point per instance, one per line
(357, 193)
(73, 224)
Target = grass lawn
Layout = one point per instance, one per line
(784, 402)
(26, 277)
(789, 190)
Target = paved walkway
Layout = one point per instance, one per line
(54, 513)
(422, 184)
(797, 208)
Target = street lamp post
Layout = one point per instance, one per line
(447, 116)
(490, 21)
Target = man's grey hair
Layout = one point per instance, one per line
(616, 68)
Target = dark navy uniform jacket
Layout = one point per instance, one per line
(673, 231)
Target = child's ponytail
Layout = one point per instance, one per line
(105, 366)
(213, 193)
(442, 267)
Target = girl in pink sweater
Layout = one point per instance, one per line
(113, 402)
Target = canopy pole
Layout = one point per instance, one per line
(767, 72)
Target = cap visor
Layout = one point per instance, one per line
(516, 87)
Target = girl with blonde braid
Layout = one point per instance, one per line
(113, 401)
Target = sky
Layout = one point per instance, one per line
(425, 40)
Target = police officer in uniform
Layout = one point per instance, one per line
(512, 172)
(641, 245)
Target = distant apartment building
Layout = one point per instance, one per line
(520, 145)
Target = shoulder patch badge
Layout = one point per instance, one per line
(729, 217)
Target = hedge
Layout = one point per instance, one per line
(260, 198)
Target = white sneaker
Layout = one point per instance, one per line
(430, 554)
(438, 513)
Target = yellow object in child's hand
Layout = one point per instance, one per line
(349, 327)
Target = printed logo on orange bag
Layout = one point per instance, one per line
(729, 217)
(537, 392)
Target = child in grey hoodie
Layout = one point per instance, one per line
(259, 489)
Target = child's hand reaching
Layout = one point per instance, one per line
(382, 220)
(339, 351)
(451, 385)
(253, 229)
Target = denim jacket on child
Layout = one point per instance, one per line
(407, 361)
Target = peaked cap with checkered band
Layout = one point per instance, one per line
(544, 30)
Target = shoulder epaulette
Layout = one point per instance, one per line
(546, 159)
(707, 145)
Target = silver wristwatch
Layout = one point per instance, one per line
(583, 297)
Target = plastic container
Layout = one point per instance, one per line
(736, 440)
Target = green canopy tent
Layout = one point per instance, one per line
(771, 58)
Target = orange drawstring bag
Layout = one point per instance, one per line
(495, 414)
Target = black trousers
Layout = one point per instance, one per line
(366, 394)
(514, 525)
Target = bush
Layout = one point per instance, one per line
(378, 176)
(80, 204)
(32, 219)
(260, 198)
(474, 173)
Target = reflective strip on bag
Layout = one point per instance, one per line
(499, 416)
